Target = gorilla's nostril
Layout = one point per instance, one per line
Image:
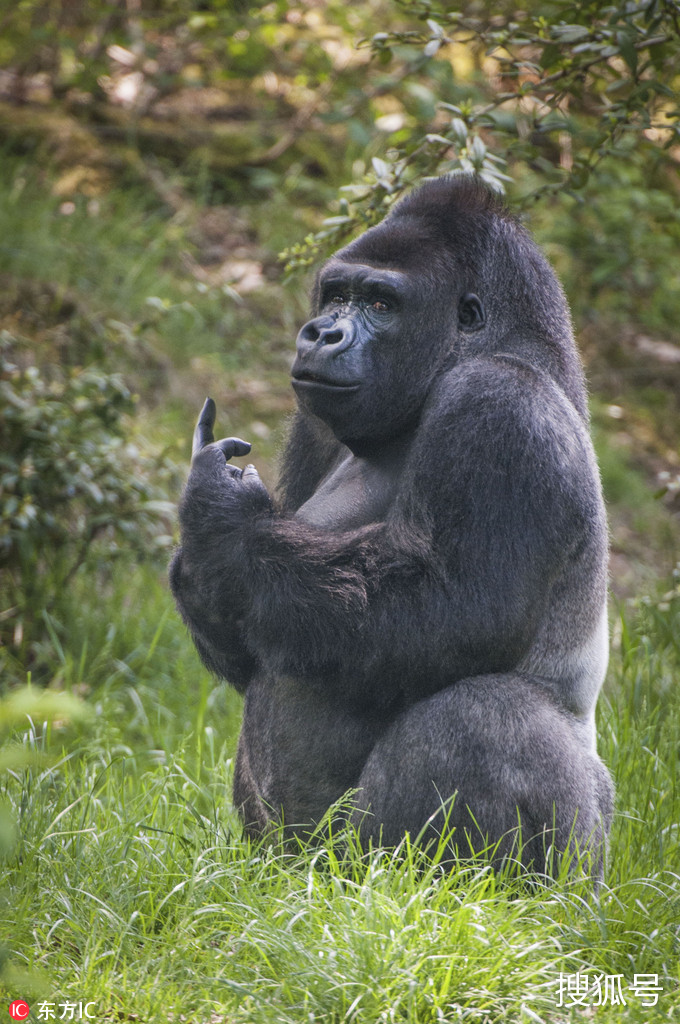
(331, 337)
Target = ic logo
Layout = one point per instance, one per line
(19, 1009)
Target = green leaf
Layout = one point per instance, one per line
(627, 49)
(459, 129)
(570, 33)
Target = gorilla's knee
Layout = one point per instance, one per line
(490, 764)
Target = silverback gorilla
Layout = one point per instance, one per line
(420, 613)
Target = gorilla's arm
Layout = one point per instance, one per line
(216, 625)
(490, 510)
(213, 605)
(209, 596)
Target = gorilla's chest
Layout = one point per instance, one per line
(357, 492)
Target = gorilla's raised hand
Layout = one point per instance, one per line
(218, 499)
(204, 437)
(239, 492)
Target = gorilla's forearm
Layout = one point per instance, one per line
(205, 576)
(216, 625)
(345, 609)
(269, 591)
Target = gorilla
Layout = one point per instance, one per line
(419, 615)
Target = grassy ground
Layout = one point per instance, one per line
(130, 888)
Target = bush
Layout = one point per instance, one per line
(73, 491)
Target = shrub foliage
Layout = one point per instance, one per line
(72, 488)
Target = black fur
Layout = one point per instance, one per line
(421, 612)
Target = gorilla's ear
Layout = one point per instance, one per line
(471, 315)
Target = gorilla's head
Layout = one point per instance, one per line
(447, 275)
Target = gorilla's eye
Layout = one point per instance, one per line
(380, 306)
(337, 300)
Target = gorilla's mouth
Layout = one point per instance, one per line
(305, 379)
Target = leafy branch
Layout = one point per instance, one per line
(559, 97)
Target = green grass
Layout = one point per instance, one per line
(132, 888)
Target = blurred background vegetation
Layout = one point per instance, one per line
(170, 171)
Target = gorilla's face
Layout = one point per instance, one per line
(365, 364)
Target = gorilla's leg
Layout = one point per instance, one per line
(508, 753)
(299, 751)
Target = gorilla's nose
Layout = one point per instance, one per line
(326, 331)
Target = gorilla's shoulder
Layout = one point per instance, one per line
(500, 381)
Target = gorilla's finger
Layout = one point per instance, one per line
(203, 434)
(232, 446)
